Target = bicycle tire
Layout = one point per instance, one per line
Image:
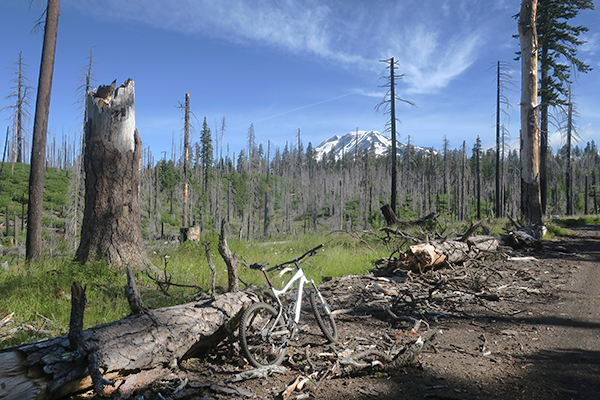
(261, 343)
(324, 317)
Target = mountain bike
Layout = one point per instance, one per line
(266, 330)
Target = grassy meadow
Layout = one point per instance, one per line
(38, 294)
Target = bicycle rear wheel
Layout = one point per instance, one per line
(263, 337)
(323, 316)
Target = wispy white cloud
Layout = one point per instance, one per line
(355, 35)
(305, 27)
(429, 62)
(590, 49)
(370, 93)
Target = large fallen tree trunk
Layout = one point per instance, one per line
(425, 256)
(150, 340)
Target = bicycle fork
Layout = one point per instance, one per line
(321, 299)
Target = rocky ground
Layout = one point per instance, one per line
(522, 325)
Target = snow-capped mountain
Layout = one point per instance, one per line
(362, 140)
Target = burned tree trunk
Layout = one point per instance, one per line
(137, 348)
(111, 227)
(389, 215)
(531, 201)
(35, 210)
(186, 150)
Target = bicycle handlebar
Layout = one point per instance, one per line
(309, 253)
(261, 266)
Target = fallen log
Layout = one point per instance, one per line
(526, 238)
(152, 340)
(435, 254)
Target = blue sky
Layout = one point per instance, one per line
(285, 65)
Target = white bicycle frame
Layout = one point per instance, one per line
(298, 276)
(301, 278)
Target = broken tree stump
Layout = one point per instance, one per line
(144, 341)
(213, 270)
(111, 228)
(390, 216)
(230, 260)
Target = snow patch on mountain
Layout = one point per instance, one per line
(362, 140)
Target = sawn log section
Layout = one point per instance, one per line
(156, 338)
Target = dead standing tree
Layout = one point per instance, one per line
(186, 150)
(531, 203)
(111, 227)
(389, 104)
(34, 247)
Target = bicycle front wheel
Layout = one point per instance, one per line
(263, 337)
(323, 316)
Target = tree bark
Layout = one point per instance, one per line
(498, 191)
(186, 149)
(230, 260)
(111, 227)
(568, 163)
(531, 208)
(394, 155)
(33, 246)
(390, 216)
(148, 341)
(266, 212)
(136, 304)
(213, 270)
(544, 131)
(585, 196)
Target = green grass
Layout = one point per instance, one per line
(572, 222)
(560, 226)
(342, 255)
(14, 189)
(32, 290)
(555, 230)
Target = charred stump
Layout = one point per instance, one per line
(111, 228)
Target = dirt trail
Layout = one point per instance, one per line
(550, 349)
(570, 362)
(538, 338)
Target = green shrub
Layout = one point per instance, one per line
(555, 230)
